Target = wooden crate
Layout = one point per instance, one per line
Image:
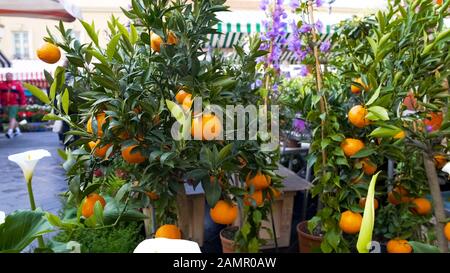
(191, 205)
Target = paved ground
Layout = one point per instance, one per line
(48, 180)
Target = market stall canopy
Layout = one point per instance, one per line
(4, 62)
(45, 9)
(234, 30)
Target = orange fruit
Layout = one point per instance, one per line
(168, 231)
(99, 151)
(356, 89)
(350, 222)
(362, 203)
(368, 166)
(172, 38)
(352, 146)
(275, 193)
(101, 119)
(181, 95)
(49, 53)
(422, 206)
(447, 231)
(152, 195)
(224, 213)
(434, 121)
(187, 102)
(155, 42)
(259, 181)
(398, 195)
(87, 209)
(400, 135)
(357, 116)
(439, 2)
(211, 128)
(440, 161)
(398, 246)
(133, 158)
(257, 197)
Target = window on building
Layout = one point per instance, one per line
(21, 45)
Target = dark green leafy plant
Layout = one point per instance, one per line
(395, 52)
(133, 83)
(122, 238)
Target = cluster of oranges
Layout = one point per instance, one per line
(399, 195)
(225, 212)
(130, 153)
(206, 126)
(156, 41)
(357, 117)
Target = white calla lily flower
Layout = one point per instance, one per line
(2, 217)
(163, 245)
(446, 168)
(27, 161)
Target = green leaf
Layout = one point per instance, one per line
(384, 132)
(91, 32)
(374, 96)
(51, 116)
(65, 101)
(37, 92)
(213, 191)
(112, 46)
(333, 238)
(419, 247)
(113, 210)
(134, 34)
(52, 93)
(98, 55)
(123, 31)
(98, 212)
(365, 234)
(379, 113)
(224, 152)
(373, 45)
(176, 111)
(53, 220)
(62, 154)
(21, 228)
(363, 153)
(122, 191)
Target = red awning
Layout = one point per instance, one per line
(44, 9)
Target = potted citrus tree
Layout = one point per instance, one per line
(125, 98)
(369, 54)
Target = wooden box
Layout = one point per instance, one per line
(191, 206)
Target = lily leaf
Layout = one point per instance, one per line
(21, 228)
(365, 234)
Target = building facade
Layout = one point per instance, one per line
(22, 36)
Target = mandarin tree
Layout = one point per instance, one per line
(125, 96)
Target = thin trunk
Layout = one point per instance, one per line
(439, 211)
(318, 80)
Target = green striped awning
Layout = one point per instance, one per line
(231, 34)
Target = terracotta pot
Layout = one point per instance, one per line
(307, 242)
(227, 244)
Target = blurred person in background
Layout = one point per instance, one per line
(12, 96)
